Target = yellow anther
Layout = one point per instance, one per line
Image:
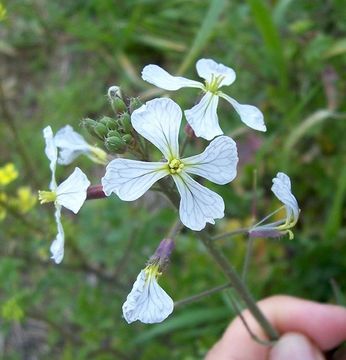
(214, 84)
(46, 196)
(175, 166)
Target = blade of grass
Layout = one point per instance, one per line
(203, 34)
(272, 41)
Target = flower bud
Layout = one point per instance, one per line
(114, 133)
(114, 92)
(89, 124)
(115, 144)
(118, 105)
(127, 139)
(101, 130)
(125, 122)
(135, 103)
(109, 122)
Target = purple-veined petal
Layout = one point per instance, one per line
(72, 193)
(209, 70)
(203, 117)
(250, 115)
(198, 205)
(70, 144)
(159, 122)
(57, 246)
(217, 163)
(159, 77)
(130, 179)
(147, 301)
(52, 153)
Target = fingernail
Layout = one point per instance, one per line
(292, 346)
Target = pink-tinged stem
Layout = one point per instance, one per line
(95, 192)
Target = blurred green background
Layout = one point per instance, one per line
(57, 60)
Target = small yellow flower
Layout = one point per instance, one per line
(25, 200)
(8, 173)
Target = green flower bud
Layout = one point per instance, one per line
(135, 103)
(109, 122)
(89, 124)
(115, 144)
(118, 105)
(114, 133)
(101, 130)
(125, 122)
(127, 138)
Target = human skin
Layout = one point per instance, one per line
(307, 329)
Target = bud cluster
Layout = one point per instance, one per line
(116, 132)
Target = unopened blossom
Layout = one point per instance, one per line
(203, 116)
(147, 301)
(70, 194)
(71, 145)
(282, 190)
(159, 121)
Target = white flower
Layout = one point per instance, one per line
(72, 144)
(147, 301)
(203, 117)
(159, 121)
(70, 194)
(282, 190)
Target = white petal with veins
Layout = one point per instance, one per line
(52, 153)
(159, 77)
(249, 114)
(57, 246)
(72, 192)
(198, 205)
(159, 122)
(203, 117)
(147, 301)
(217, 163)
(282, 190)
(209, 69)
(130, 179)
(71, 145)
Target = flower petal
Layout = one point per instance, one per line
(198, 205)
(249, 114)
(203, 117)
(130, 179)
(282, 190)
(159, 77)
(147, 301)
(71, 145)
(52, 153)
(57, 247)
(217, 163)
(208, 69)
(159, 122)
(73, 191)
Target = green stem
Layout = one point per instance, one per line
(228, 270)
(238, 285)
(201, 295)
(230, 233)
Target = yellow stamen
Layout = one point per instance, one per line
(98, 155)
(46, 196)
(175, 166)
(214, 84)
(152, 271)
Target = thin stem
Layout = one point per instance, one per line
(268, 216)
(230, 233)
(238, 285)
(201, 295)
(175, 229)
(248, 255)
(242, 318)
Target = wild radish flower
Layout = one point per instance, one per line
(70, 194)
(71, 145)
(147, 301)
(282, 190)
(203, 116)
(159, 121)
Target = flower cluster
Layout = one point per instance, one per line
(158, 121)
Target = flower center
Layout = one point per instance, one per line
(152, 271)
(46, 196)
(175, 166)
(214, 84)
